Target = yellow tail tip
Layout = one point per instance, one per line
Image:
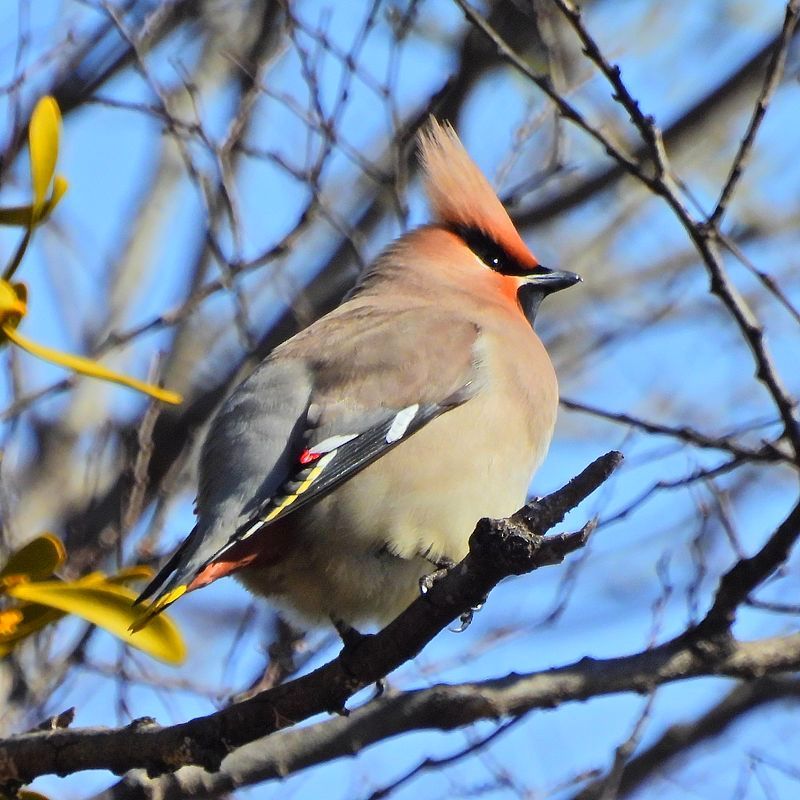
(156, 607)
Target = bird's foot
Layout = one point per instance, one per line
(426, 582)
(443, 565)
(465, 619)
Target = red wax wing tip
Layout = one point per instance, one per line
(309, 456)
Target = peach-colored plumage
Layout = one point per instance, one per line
(459, 192)
(432, 362)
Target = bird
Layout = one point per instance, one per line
(357, 458)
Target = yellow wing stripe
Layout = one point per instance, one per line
(303, 487)
(168, 598)
(157, 606)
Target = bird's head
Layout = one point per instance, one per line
(464, 203)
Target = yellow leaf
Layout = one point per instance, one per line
(10, 619)
(43, 142)
(22, 216)
(128, 574)
(60, 186)
(109, 606)
(13, 303)
(157, 607)
(86, 366)
(33, 618)
(37, 560)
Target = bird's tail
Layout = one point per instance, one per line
(156, 607)
(166, 587)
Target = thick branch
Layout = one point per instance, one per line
(448, 707)
(498, 549)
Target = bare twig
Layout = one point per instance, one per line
(662, 186)
(683, 433)
(678, 740)
(741, 580)
(644, 123)
(771, 81)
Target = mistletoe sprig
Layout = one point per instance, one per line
(48, 188)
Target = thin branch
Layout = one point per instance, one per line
(771, 81)
(689, 124)
(701, 235)
(678, 740)
(740, 581)
(644, 123)
(431, 764)
(543, 82)
(768, 452)
(776, 608)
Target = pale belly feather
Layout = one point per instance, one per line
(361, 551)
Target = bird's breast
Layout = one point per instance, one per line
(359, 552)
(476, 460)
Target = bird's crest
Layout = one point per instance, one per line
(460, 194)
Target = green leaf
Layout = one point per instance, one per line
(110, 606)
(37, 560)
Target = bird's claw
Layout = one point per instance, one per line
(426, 581)
(465, 619)
(443, 565)
(351, 639)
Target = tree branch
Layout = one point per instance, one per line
(661, 184)
(737, 584)
(498, 549)
(771, 81)
(678, 740)
(446, 707)
(688, 124)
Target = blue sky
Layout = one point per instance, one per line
(687, 367)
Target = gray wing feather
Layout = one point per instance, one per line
(349, 372)
(249, 452)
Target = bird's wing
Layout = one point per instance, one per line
(326, 404)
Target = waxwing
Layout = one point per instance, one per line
(360, 453)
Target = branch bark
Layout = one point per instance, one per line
(498, 549)
(447, 707)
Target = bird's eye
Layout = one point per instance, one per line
(487, 250)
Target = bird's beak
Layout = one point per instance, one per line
(547, 281)
(537, 285)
